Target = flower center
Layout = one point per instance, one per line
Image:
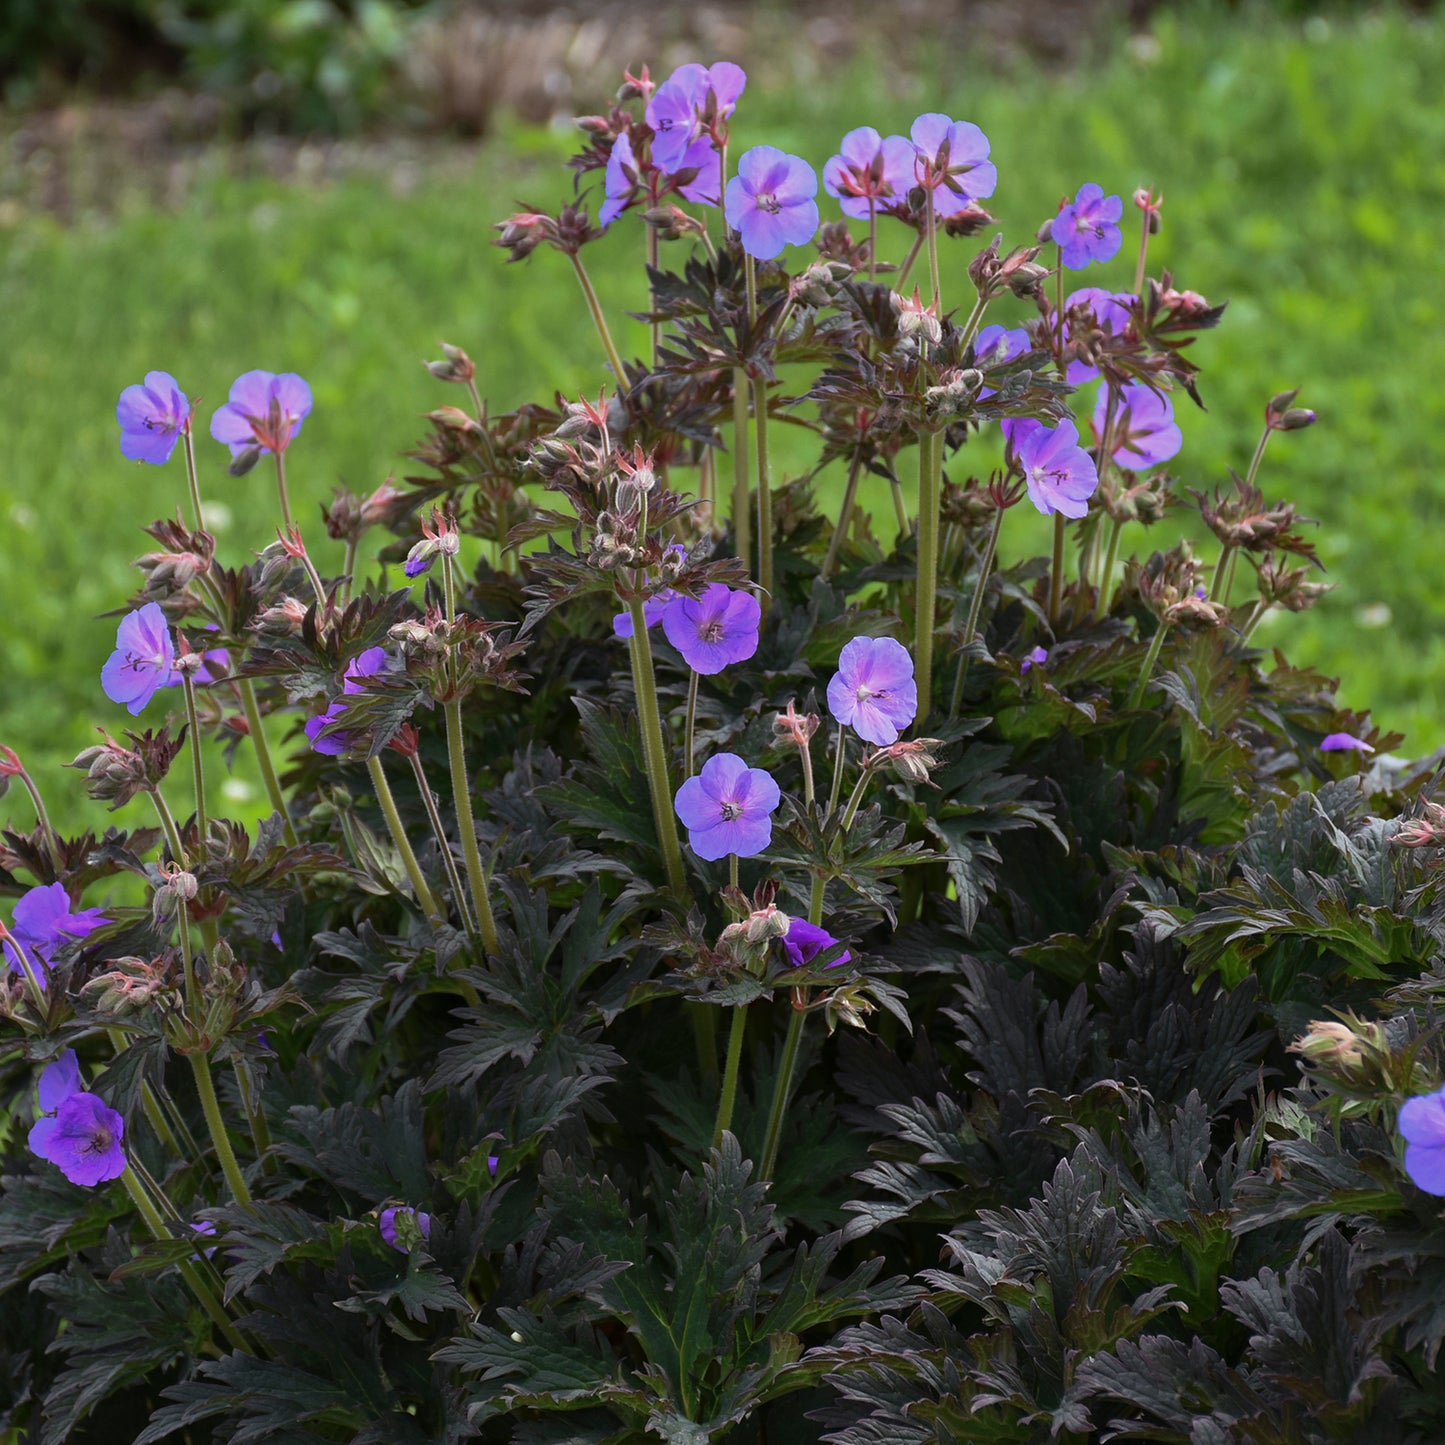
(710, 632)
(99, 1141)
(731, 811)
(767, 201)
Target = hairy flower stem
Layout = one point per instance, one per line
(689, 731)
(872, 238)
(760, 435)
(975, 607)
(52, 846)
(1056, 576)
(600, 321)
(1147, 671)
(654, 754)
(189, 443)
(1111, 555)
(198, 771)
(908, 261)
(1221, 571)
(439, 832)
(930, 231)
(728, 1097)
(255, 1114)
(786, 1068)
(198, 1287)
(478, 408)
(282, 493)
(424, 896)
(845, 512)
(27, 967)
(854, 798)
(466, 827)
(742, 521)
(929, 449)
(257, 731)
(652, 265)
(837, 788)
(348, 568)
(1143, 254)
(461, 790)
(1059, 309)
(216, 1123)
(1258, 456)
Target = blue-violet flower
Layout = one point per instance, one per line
(728, 808)
(713, 630)
(873, 692)
(151, 418)
(142, 660)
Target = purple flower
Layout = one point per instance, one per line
(869, 171)
(873, 691)
(770, 201)
(43, 921)
(1110, 310)
(1422, 1122)
(1087, 229)
(995, 346)
(728, 808)
(951, 160)
(78, 1132)
(619, 180)
(411, 1219)
(1061, 475)
(264, 410)
(684, 108)
(1344, 743)
(804, 941)
(141, 662)
(363, 665)
(1036, 658)
(1145, 432)
(715, 629)
(151, 417)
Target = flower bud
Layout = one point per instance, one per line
(244, 461)
(285, 615)
(766, 924)
(915, 320)
(794, 727)
(130, 985)
(382, 506)
(912, 761)
(114, 774)
(456, 365)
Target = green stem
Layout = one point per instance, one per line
(1116, 526)
(929, 446)
(204, 1296)
(970, 327)
(210, 1106)
(281, 491)
(845, 512)
(424, 896)
(189, 442)
(815, 899)
(687, 747)
(1056, 577)
(1258, 456)
(32, 977)
(908, 261)
(255, 1114)
(760, 436)
(654, 754)
(149, 1103)
(1229, 580)
(256, 728)
(931, 232)
(872, 239)
(837, 788)
(1143, 254)
(466, 827)
(599, 321)
(198, 771)
(1221, 571)
(742, 520)
(168, 827)
(652, 262)
(52, 846)
(429, 802)
(728, 1096)
(975, 606)
(1137, 701)
(900, 507)
(348, 567)
(854, 798)
(784, 1086)
(1059, 307)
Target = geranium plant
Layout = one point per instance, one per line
(687, 899)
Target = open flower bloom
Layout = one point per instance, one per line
(1145, 432)
(804, 941)
(363, 665)
(869, 171)
(1087, 229)
(413, 1222)
(728, 808)
(950, 158)
(142, 660)
(685, 106)
(78, 1132)
(1060, 474)
(264, 410)
(873, 691)
(43, 921)
(1422, 1123)
(770, 202)
(715, 629)
(151, 416)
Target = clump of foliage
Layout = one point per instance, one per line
(464, 1098)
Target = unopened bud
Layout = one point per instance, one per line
(911, 761)
(766, 924)
(456, 365)
(244, 461)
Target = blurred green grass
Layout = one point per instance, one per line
(1304, 171)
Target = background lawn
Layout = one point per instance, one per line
(1304, 169)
